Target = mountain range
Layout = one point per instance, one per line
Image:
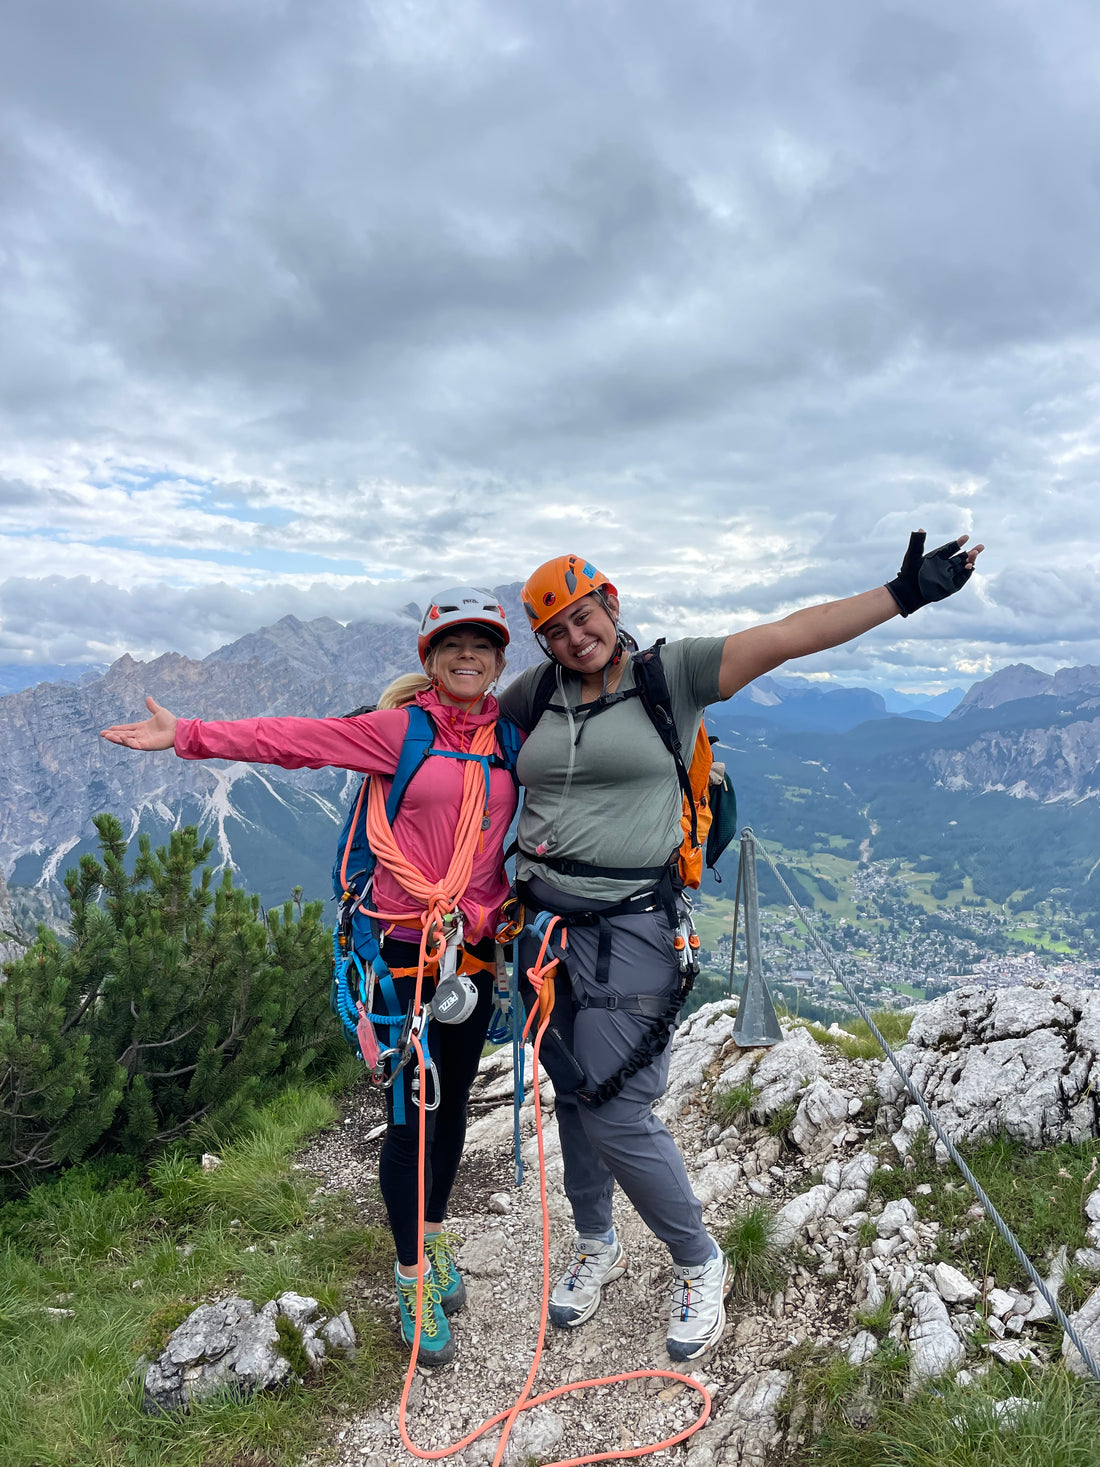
(1004, 786)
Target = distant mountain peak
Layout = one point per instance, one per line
(1021, 680)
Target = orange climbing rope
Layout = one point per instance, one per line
(541, 979)
(438, 898)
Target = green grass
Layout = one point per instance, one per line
(780, 1119)
(876, 1320)
(131, 1261)
(823, 1381)
(748, 1241)
(856, 1040)
(731, 1106)
(1040, 1194)
(946, 1426)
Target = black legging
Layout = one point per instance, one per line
(456, 1051)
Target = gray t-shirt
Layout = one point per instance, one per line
(624, 802)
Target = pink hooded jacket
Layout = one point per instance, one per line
(425, 823)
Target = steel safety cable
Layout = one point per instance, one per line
(975, 1186)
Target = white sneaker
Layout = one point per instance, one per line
(698, 1314)
(576, 1295)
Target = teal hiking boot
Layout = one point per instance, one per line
(436, 1345)
(440, 1250)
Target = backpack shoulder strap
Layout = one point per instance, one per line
(510, 739)
(652, 685)
(419, 737)
(544, 693)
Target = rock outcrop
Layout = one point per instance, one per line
(10, 947)
(231, 1346)
(1023, 1062)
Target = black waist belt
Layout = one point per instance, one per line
(662, 897)
(648, 1005)
(607, 873)
(642, 901)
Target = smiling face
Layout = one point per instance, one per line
(584, 637)
(464, 662)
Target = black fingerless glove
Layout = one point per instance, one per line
(932, 577)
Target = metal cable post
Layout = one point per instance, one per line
(948, 1145)
(756, 1024)
(733, 934)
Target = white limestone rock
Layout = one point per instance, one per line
(1000, 1303)
(1038, 1308)
(1092, 1212)
(862, 1348)
(822, 1112)
(953, 1286)
(844, 1204)
(752, 1408)
(869, 1290)
(696, 1046)
(799, 1211)
(785, 1070)
(1023, 1061)
(912, 1123)
(339, 1335)
(298, 1308)
(894, 1216)
(858, 1171)
(1086, 1322)
(717, 1181)
(934, 1347)
(220, 1346)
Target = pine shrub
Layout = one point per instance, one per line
(172, 1002)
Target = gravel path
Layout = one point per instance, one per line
(501, 1262)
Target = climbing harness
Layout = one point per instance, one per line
(561, 1065)
(363, 994)
(541, 979)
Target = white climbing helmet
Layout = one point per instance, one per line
(461, 606)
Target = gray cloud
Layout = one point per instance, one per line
(730, 297)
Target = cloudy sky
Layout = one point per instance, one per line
(307, 307)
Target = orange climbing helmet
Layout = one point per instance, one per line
(558, 584)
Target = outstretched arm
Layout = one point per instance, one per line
(370, 743)
(921, 580)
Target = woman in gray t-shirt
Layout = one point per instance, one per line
(599, 826)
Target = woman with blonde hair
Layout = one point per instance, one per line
(463, 634)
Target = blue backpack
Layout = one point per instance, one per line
(358, 963)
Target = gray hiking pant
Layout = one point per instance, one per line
(621, 1141)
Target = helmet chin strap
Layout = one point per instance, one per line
(613, 661)
(448, 696)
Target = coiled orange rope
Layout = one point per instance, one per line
(438, 899)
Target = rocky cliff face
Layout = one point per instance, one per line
(9, 948)
(57, 773)
(1061, 762)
